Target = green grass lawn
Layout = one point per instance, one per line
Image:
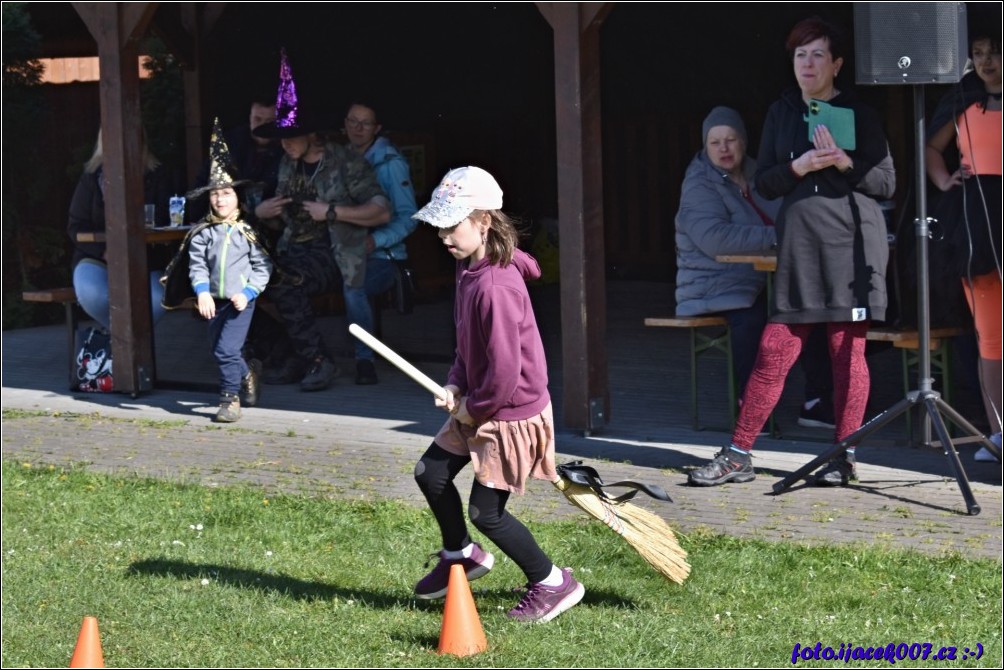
(183, 575)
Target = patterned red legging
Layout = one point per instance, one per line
(780, 345)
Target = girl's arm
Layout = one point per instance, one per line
(934, 154)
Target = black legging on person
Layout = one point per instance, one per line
(435, 473)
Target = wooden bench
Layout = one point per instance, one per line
(701, 343)
(68, 298)
(908, 341)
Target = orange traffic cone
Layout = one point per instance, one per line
(462, 634)
(87, 653)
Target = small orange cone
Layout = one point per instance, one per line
(87, 653)
(462, 634)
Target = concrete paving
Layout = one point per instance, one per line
(362, 442)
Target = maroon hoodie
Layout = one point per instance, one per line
(500, 364)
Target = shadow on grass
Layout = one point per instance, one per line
(291, 587)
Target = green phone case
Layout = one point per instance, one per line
(839, 120)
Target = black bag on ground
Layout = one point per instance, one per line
(94, 361)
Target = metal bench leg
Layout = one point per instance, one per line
(693, 378)
(71, 341)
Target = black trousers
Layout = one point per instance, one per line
(435, 473)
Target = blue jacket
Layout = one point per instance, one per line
(715, 219)
(394, 176)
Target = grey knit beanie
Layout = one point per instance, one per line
(723, 116)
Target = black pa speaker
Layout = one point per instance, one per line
(910, 42)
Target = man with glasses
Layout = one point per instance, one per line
(385, 243)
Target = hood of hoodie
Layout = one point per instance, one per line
(526, 264)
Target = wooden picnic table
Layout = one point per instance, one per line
(151, 235)
(765, 261)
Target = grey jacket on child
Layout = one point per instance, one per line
(225, 259)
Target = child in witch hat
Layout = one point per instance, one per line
(227, 268)
(500, 408)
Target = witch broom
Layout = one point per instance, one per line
(645, 531)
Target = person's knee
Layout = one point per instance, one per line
(428, 477)
(485, 520)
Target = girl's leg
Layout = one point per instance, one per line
(985, 300)
(435, 473)
(488, 514)
(90, 281)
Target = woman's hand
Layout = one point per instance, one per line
(825, 154)
(823, 140)
(271, 208)
(239, 301)
(207, 306)
(449, 403)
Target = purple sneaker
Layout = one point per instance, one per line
(543, 603)
(434, 584)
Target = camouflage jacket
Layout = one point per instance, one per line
(343, 178)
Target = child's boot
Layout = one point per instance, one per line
(230, 408)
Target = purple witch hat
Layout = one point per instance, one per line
(289, 121)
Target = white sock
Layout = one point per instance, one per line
(556, 578)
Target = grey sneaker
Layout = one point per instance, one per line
(434, 584)
(230, 409)
(839, 471)
(728, 465)
(251, 384)
(320, 375)
(543, 603)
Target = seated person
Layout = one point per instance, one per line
(87, 214)
(721, 212)
(385, 243)
(326, 198)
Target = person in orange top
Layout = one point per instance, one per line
(970, 209)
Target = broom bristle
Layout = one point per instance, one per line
(645, 531)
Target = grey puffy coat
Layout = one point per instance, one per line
(714, 219)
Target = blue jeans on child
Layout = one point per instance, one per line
(90, 281)
(227, 332)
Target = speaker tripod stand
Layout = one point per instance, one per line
(934, 407)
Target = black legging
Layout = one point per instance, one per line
(435, 473)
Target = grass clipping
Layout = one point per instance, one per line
(646, 532)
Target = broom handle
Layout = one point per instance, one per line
(401, 364)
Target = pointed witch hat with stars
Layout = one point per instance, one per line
(222, 172)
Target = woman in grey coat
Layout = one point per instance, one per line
(722, 212)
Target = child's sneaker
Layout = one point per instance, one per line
(230, 409)
(543, 603)
(434, 584)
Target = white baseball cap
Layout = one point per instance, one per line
(461, 191)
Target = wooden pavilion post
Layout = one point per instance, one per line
(585, 385)
(118, 28)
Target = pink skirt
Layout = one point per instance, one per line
(505, 453)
